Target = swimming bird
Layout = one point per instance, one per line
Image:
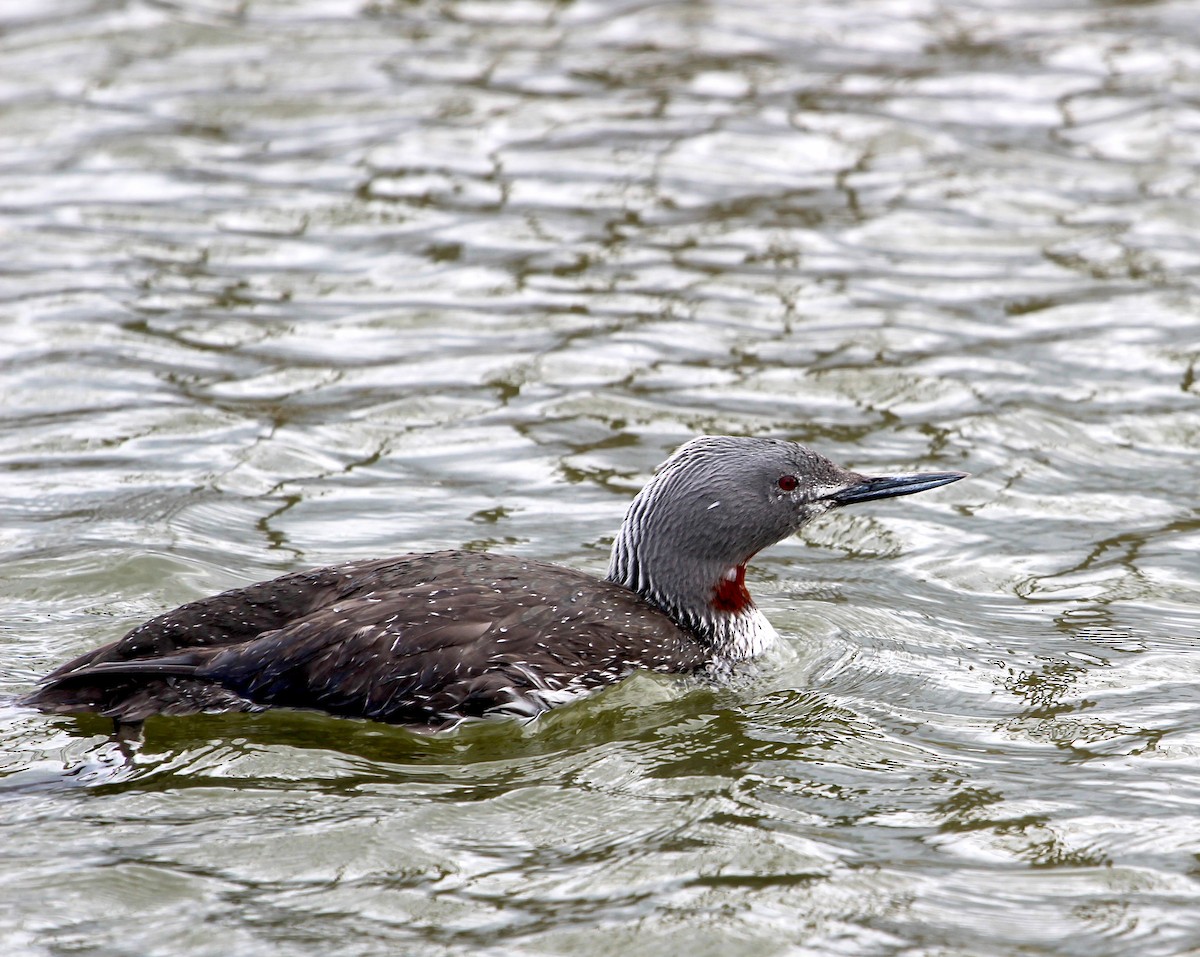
(428, 640)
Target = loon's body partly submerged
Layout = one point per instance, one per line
(428, 640)
(422, 640)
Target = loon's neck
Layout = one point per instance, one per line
(684, 545)
(710, 602)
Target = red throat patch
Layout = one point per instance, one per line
(729, 593)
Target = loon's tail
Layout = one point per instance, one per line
(131, 691)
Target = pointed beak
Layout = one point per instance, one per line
(869, 488)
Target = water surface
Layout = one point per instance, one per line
(283, 284)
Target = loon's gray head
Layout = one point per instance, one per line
(718, 501)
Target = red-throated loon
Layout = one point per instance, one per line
(427, 640)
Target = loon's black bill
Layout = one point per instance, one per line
(889, 486)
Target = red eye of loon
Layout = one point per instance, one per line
(788, 482)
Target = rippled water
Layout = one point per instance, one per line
(285, 283)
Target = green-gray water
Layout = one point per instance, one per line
(284, 283)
